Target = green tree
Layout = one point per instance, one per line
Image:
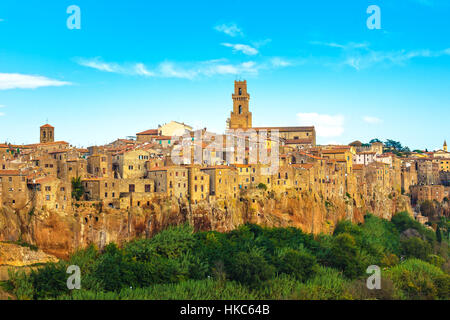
(438, 234)
(301, 264)
(250, 268)
(262, 186)
(77, 188)
(344, 256)
(415, 248)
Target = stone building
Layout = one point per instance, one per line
(427, 192)
(241, 118)
(198, 184)
(171, 181)
(47, 133)
(222, 182)
(427, 171)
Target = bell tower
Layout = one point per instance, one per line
(47, 133)
(445, 146)
(240, 118)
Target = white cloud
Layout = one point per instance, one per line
(358, 60)
(360, 56)
(326, 125)
(230, 29)
(168, 69)
(96, 63)
(142, 70)
(279, 62)
(350, 45)
(372, 120)
(245, 49)
(24, 81)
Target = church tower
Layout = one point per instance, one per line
(47, 133)
(240, 118)
(445, 146)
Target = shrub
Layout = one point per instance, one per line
(343, 256)
(250, 268)
(49, 281)
(327, 284)
(262, 186)
(113, 270)
(415, 248)
(300, 264)
(416, 279)
(20, 285)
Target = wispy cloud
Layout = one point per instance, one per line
(280, 62)
(258, 44)
(230, 29)
(347, 46)
(169, 69)
(367, 59)
(360, 56)
(245, 49)
(24, 81)
(326, 125)
(372, 120)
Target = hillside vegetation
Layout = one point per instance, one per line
(254, 262)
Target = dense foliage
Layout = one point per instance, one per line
(254, 262)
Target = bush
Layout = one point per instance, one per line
(49, 281)
(114, 270)
(328, 284)
(262, 186)
(415, 248)
(344, 256)
(250, 268)
(300, 264)
(416, 279)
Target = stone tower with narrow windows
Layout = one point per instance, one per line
(47, 133)
(445, 145)
(240, 118)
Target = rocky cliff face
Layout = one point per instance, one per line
(60, 233)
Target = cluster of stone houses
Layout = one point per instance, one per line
(132, 173)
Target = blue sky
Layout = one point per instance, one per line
(136, 64)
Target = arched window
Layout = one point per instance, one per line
(240, 109)
(240, 91)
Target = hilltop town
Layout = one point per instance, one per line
(61, 197)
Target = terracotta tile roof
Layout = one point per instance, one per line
(310, 155)
(47, 126)
(152, 132)
(44, 144)
(358, 166)
(9, 172)
(334, 151)
(40, 180)
(299, 141)
(164, 168)
(217, 167)
(162, 138)
(285, 129)
(303, 165)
